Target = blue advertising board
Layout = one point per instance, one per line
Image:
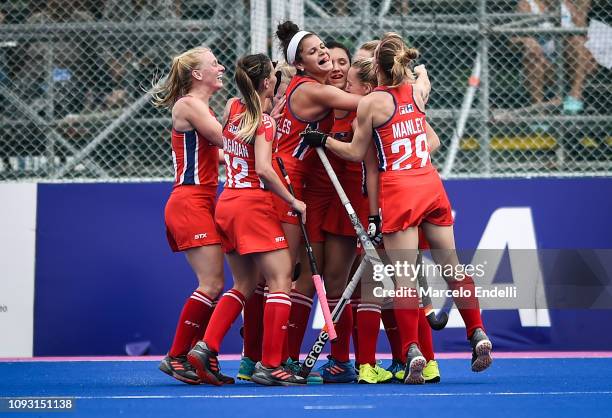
(105, 276)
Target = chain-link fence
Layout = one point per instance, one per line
(74, 76)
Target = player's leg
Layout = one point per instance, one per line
(276, 268)
(368, 328)
(398, 359)
(204, 355)
(401, 248)
(339, 256)
(442, 243)
(302, 299)
(431, 372)
(301, 306)
(293, 235)
(207, 264)
(252, 331)
(354, 304)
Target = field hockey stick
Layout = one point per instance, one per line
(316, 278)
(436, 323)
(362, 234)
(319, 344)
(323, 337)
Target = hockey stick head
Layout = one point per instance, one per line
(439, 322)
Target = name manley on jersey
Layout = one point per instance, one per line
(401, 142)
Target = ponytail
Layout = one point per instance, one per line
(251, 70)
(394, 59)
(178, 81)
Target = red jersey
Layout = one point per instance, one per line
(195, 159)
(401, 142)
(288, 141)
(343, 131)
(343, 127)
(239, 155)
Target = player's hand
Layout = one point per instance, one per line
(314, 138)
(420, 69)
(299, 208)
(375, 230)
(278, 110)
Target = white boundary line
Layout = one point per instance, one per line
(334, 407)
(324, 395)
(381, 356)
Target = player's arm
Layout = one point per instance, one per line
(374, 221)
(330, 96)
(226, 110)
(278, 110)
(370, 163)
(433, 141)
(422, 86)
(265, 171)
(362, 137)
(198, 116)
(371, 171)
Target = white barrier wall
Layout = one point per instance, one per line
(17, 255)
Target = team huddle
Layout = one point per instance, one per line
(367, 113)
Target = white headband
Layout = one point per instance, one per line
(293, 46)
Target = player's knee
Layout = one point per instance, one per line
(334, 288)
(245, 287)
(211, 285)
(279, 282)
(304, 286)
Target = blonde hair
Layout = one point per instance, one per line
(251, 70)
(365, 71)
(394, 58)
(178, 82)
(286, 71)
(370, 46)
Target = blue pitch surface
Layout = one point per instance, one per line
(512, 387)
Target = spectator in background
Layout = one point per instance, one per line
(539, 52)
(140, 10)
(127, 56)
(197, 9)
(345, 7)
(59, 75)
(599, 41)
(581, 8)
